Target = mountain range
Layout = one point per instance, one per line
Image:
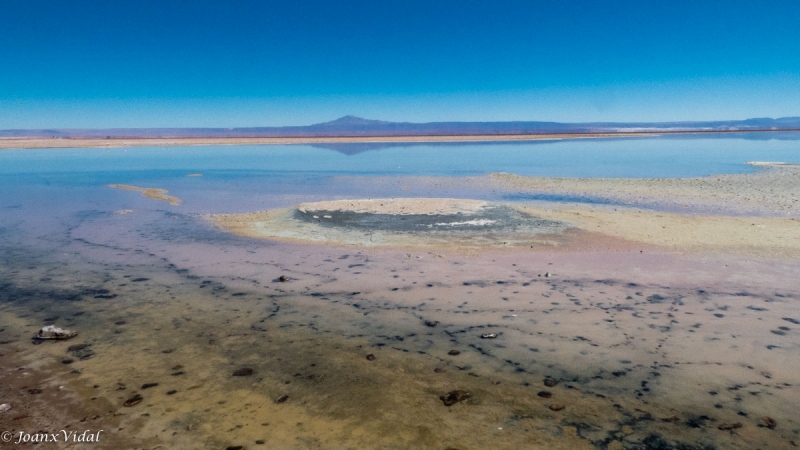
(349, 126)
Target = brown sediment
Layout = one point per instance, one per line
(154, 193)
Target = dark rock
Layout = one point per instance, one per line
(67, 361)
(730, 426)
(282, 398)
(431, 323)
(135, 400)
(370, 357)
(283, 278)
(454, 397)
(178, 373)
(439, 370)
(261, 442)
(550, 382)
(81, 351)
(454, 353)
(235, 447)
(544, 394)
(769, 422)
(172, 392)
(243, 372)
(34, 391)
(149, 385)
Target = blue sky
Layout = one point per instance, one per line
(91, 64)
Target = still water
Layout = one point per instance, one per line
(357, 348)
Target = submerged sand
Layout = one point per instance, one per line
(154, 193)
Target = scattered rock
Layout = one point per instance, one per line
(431, 323)
(488, 335)
(557, 406)
(550, 382)
(54, 333)
(370, 357)
(769, 422)
(282, 398)
(545, 394)
(730, 426)
(135, 400)
(81, 351)
(454, 353)
(149, 385)
(454, 397)
(243, 372)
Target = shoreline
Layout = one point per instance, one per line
(44, 143)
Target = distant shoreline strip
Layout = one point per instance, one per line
(113, 142)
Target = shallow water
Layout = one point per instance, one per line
(650, 350)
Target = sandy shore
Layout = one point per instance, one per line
(154, 193)
(17, 143)
(744, 213)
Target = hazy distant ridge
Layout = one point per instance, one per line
(356, 126)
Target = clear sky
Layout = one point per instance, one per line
(102, 63)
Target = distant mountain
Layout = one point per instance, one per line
(349, 126)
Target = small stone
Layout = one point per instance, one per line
(545, 394)
(172, 392)
(769, 422)
(730, 426)
(454, 397)
(370, 357)
(34, 391)
(52, 332)
(243, 372)
(673, 419)
(282, 398)
(550, 382)
(283, 278)
(135, 400)
(169, 350)
(4, 407)
(177, 367)
(439, 370)
(488, 335)
(235, 447)
(557, 407)
(67, 361)
(547, 275)
(454, 353)
(261, 442)
(431, 323)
